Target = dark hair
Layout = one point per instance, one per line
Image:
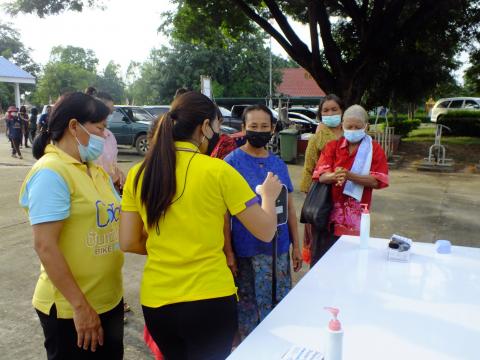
(159, 179)
(91, 91)
(180, 91)
(23, 109)
(34, 111)
(84, 108)
(260, 107)
(329, 97)
(104, 96)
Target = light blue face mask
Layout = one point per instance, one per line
(354, 136)
(94, 148)
(332, 120)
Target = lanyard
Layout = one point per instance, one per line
(187, 150)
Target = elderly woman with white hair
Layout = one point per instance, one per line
(354, 165)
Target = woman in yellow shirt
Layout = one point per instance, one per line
(173, 210)
(74, 211)
(329, 114)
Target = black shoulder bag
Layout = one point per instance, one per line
(317, 206)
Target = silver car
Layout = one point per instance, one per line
(443, 106)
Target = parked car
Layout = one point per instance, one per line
(237, 110)
(310, 112)
(157, 110)
(303, 122)
(130, 125)
(233, 118)
(228, 130)
(443, 106)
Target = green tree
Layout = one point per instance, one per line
(472, 74)
(69, 69)
(111, 82)
(11, 48)
(359, 37)
(417, 70)
(238, 68)
(47, 7)
(84, 58)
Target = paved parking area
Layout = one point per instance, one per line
(423, 206)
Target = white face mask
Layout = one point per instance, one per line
(94, 148)
(354, 136)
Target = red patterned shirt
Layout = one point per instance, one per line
(224, 147)
(346, 211)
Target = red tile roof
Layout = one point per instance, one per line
(298, 82)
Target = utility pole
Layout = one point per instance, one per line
(270, 101)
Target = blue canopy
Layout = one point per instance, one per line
(11, 73)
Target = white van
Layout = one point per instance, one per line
(443, 106)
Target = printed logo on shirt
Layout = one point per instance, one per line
(106, 214)
(104, 242)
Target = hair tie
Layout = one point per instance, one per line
(173, 115)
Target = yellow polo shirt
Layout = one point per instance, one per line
(58, 188)
(185, 259)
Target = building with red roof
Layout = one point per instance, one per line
(297, 82)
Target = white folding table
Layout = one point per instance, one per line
(428, 308)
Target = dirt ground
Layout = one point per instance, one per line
(423, 206)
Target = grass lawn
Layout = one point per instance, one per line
(426, 133)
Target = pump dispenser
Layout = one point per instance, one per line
(364, 227)
(334, 344)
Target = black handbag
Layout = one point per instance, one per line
(317, 206)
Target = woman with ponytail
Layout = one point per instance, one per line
(74, 211)
(173, 209)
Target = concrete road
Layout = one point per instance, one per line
(423, 206)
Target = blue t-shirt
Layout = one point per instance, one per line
(255, 170)
(15, 128)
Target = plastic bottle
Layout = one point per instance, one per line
(364, 227)
(334, 345)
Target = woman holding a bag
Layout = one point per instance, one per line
(353, 165)
(329, 114)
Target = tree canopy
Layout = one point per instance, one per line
(11, 48)
(378, 48)
(110, 81)
(240, 68)
(84, 58)
(47, 7)
(472, 74)
(73, 68)
(351, 41)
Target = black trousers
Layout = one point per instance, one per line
(31, 133)
(61, 337)
(322, 241)
(16, 142)
(196, 330)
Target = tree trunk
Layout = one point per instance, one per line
(349, 87)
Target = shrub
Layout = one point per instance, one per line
(462, 123)
(381, 119)
(404, 127)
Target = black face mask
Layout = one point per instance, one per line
(213, 141)
(258, 139)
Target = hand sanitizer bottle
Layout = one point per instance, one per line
(364, 227)
(333, 348)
